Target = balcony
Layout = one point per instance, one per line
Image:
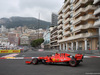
(83, 27)
(84, 18)
(60, 26)
(55, 45)
(67, 8)
(97, 11)
(75, 1)
(96, 2)
(60, 36)
(55, 32)
(60, 31)
(54, 36)
(66, 3)
(90, 34)
(67, 21)
(53, 41)
(66, 15)
(82, 35)
(60, 21)
(97, 23)
(67, 33)
(66, 27)
(59, 17)
(80, 2)
(84, 10)
(60, 11)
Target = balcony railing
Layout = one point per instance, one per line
(89, 7)
(67, 33)
(67, 14)
(54, 36)
(84, 18)
(67, 8)
(79, 3)
(66, 27)
(67, 21)
(55, 45)
(83, 27)
(60, 16)
(54, 32)
(60, 21)
(75, 1)
(97, 23)
(66, 3)
(59, 36)
(96, 1)
(60, 31)
(60, 26)
(97, 11)
(53, 41)
(82, 35)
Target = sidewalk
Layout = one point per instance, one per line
(87, 53)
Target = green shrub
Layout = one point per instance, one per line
(37, 42)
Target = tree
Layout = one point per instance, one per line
(65, 1)
(37, 42)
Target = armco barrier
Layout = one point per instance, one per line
(9, 51)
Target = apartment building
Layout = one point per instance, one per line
(54, 19)
(46, 37)
(24, 40)
(54, 37)
(97, 14)
(76, 29)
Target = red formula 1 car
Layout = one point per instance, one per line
(58, 58)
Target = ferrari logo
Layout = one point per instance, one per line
(53, 59)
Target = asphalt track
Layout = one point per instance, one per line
(89, 66)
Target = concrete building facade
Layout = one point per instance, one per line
(76, 29)
(97, 14)
(54, 37)
(24, 40)
(14, 38)
(46, 37)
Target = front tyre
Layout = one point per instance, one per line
(73, 62)
(34, 61)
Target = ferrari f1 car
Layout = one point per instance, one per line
(58, 58)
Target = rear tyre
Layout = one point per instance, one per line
(34, 61)
(73, 62)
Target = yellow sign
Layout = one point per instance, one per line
(9, 51)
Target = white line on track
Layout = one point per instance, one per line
(11, 55)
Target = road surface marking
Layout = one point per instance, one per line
(11, 55)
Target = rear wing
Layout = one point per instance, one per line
(78, 56)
